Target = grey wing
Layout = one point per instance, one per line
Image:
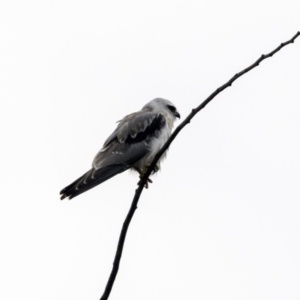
(130, 141)
(126, 145)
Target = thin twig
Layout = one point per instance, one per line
(143, 181)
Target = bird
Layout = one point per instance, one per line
(132, 145)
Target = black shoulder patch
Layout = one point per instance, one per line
(158, 123)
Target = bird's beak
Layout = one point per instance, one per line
(177, 115)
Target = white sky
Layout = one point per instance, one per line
(221, 220)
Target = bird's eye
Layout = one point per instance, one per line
(171, 108)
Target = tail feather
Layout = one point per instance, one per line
(90, 179)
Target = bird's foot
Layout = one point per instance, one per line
(147, 182)
(156, 168)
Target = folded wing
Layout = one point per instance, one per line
(125, 146)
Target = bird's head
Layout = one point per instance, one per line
(163, 105)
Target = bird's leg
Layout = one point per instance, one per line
(142, 174)
(156, 169)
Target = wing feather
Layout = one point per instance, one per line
(130, 141)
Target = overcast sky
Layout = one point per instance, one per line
(221, 220)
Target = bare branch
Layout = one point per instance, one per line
(143, 181)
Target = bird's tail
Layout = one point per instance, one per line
(90, 179)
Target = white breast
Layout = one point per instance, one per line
(159, 142)
(155, 146)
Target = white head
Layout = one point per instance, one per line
(163, 105)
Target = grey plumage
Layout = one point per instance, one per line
(133, 144)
